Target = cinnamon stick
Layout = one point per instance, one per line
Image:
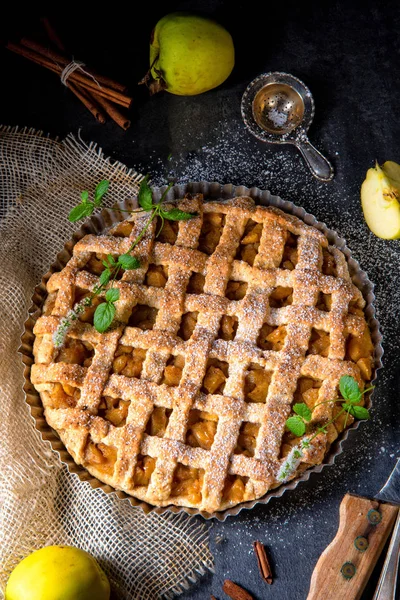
(263, 562)
(113, 112)
(234, 591)
(64, 61)
(52, 34)
(88, 101)
(75, 77)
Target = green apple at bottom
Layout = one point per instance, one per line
(58, 573)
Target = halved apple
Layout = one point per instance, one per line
(380, 195)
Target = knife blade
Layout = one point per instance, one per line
(345, 566)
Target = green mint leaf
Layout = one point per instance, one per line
(169, 157)
(145, 196)
(296, 425)
(84, 196)
(303, 410)
(80, 212)
(112, 295)
(349, 389)
(103, 316)
(175, 214)
(101, 189)
(128, 262)
(111, 260)
(105, 277)
(359, 412)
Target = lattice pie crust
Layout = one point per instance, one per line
(233, 316)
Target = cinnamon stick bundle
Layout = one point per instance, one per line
(87, 98)
(98, 93)
(75, 77)
(64, 61)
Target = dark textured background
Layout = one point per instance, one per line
(348, 54)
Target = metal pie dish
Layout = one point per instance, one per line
(100, 224)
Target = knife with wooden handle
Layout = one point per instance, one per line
(344, 568)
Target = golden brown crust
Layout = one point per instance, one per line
(200, 404)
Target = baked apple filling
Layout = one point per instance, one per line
(158, 422)
(173, 371)
(247, 439)
(114, 410)
(319, 342)
(215, 377)
(188, 323)
(271, 337)
(128, 361)
(76, 352)
(143, 316)
(157, 276)
(168, 231)
(236, 290)
(201, 429)
(234, 489)
(188, 482)
(248, 248)
(211, 231)
(289, 256)
(101, 455)
(256, 383)
(359, 349)
(196, 284)
(228, 328)
(280, 297)
(329, 263)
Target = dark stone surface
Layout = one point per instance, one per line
(347, 53)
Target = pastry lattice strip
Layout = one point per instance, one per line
(172, 302)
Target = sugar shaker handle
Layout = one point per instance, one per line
(319, 166)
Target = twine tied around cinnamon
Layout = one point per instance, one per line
(73, 66)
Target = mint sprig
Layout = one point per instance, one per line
(86, 206)
(105, 312)
(297, 423)
(352, 395)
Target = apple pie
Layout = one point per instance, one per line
(232, 317)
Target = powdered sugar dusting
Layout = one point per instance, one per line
(236, 157)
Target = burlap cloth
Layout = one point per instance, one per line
(41, 503)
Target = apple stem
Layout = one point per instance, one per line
(148, 77)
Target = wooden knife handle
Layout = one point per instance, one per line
(345, 566)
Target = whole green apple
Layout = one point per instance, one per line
(58, 573)
(189, 54)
